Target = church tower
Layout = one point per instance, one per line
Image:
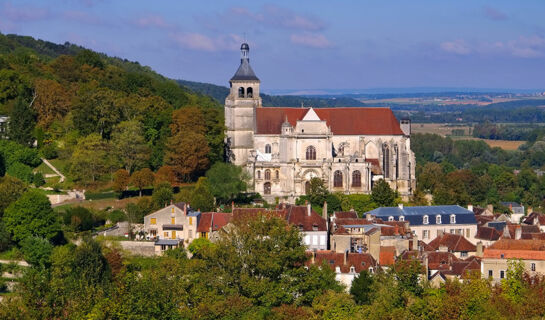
(240, 107)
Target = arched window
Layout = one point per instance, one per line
(338, 179)
(307, 187)
(241, 92)
(356, 179)
(311, 153)
(437, 219)
(258, 174)
(250, 92)
(277, 174)
(267, 188)
(267, 174)
(267, 148)
(452, 218)
(425, 220)
(386, 161)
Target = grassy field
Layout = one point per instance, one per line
(100, 204)
(44, 169)
(446, 130)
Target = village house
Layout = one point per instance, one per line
(496, 257)
(427, 222)
(517, 211)
(346, 265)
(455, 244)
(176, 223)
(211, 223)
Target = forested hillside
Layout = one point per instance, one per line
(219, 93)
(89, 109)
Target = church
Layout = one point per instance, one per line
(284, 148)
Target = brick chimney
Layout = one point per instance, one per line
(490, 208)
(232, 206)
(368, 217)
(518, 232)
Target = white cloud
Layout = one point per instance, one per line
(313, 40)
(493, 13)
(522, 47)
(152, 21)
(457, 46)
(201, 42)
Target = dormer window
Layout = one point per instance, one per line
(314, 227)
(390, 218)
(401, 218)
(438, 219)
(452, 218)
(352, 270)
(425, 220)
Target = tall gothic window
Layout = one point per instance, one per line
(386, 161)
(356, 179)
(267, 188)
(267, 174)
(258, 174)
(250, 92)
(241, 92)
(277, 175)
(338, 179)
(267, 148)
(311, 153)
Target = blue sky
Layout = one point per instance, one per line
(307, 44)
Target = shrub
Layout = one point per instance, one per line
(49, 151)
(117, 216)
(38, 179)
(21, 171)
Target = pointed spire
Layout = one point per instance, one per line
(244, 71)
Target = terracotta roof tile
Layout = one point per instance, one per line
(387, 255)
(454, 243)
(440, 260)
(360, 261)
(345, 215)
(298, 216)
(342, 121)
(213, 221)
(487, 233)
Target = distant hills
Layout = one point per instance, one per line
(219, 93)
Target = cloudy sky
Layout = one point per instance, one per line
(307, 44)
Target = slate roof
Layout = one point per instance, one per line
(415, 214)
(245, 72)
(168, 242)
(342, 121)
(454, 243)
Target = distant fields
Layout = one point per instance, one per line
(444, 130)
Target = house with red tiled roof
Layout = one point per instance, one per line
(346, 265)
(496, 257)
(212, 222)
(453, 243)
(283, 148)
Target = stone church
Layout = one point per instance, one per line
(284, 148)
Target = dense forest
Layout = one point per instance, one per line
(220, 93)
(89, 110)
(470, 171)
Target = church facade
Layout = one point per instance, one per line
(284, 148)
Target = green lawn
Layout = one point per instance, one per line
(61, 165)
(44, 169)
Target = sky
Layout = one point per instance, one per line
(306, 45)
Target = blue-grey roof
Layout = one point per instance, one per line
(512, 204)
(498, 225)
(244, 71)
(414, 215)
(193, 213)
(168, 242)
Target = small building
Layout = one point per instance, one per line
(530, 252)
(176, 221)
(428, 222)
(310, 224)
(162, 245)
(453, 243)
(517, 211)
(211, 222)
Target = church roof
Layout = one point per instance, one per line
(245, 71)
(342, 121)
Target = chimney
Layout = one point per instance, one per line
(529, 210)
(511, 207)
(470, 207)
(345, 257)
(324, 211)
(490, 208)
(368, 217)
(232, 206)
(518, 232)
(415, 243)
(479, 252)
(309, 209)
(400, 206)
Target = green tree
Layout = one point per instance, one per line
(38, 179)
(382, 194)
(79, 218)
(90, 158)
(200, 246)
(142, 178)
(37, 251)
(162, 194)
(201, 197)
(32, 216)
(513, 284)
(10, 190)
(318, 192)
(226, 181)
(129, 145)
(361, 288)
(22, 122)
(5, 238)
(21, 171)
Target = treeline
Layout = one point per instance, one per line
(469, 171)
(100, 114)
(257, 270)
(493, 131)
(219, 93)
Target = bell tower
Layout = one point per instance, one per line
(240, 107)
